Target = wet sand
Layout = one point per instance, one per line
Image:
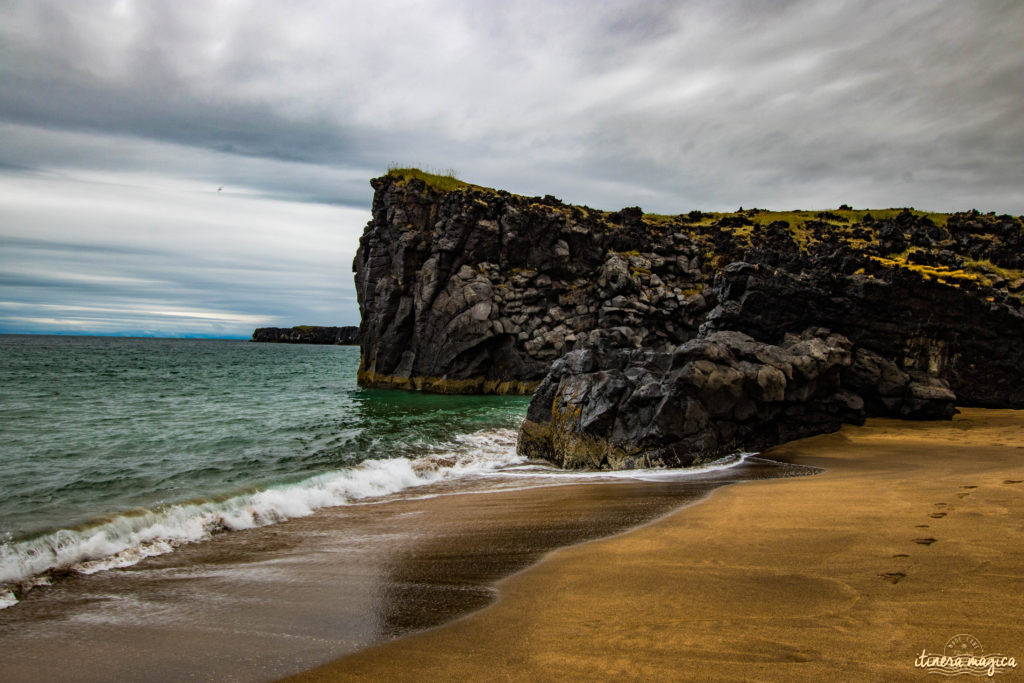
(914, 534)
(265, 603)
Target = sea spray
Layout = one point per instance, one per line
(129, 538)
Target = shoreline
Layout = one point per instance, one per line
(275, 600)
(859, 569)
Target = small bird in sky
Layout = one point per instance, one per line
(220, 188)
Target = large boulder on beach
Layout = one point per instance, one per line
(714, 395)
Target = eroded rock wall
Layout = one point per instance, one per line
(965, 337)
(715, 395)
(480, 291)
(685, 337)
(477, 290)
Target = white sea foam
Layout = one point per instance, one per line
(129, 538)
(652, 474)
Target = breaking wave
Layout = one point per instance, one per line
(127, 538)
(130, 537)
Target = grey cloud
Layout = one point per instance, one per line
(541, 86)
(169, 258)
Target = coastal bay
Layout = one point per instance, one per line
(511, 341)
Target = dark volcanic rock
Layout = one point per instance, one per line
(480, 291)
(472, 290)
(920, 325)
(307, 334)
(712, 396)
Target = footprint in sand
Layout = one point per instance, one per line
(968, 487)
(962, 495)
(924, 541)
(921, 526)
(1013, 481)
(893, 577)
(938, 515)
(901, 555)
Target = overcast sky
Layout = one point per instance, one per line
(119, 121)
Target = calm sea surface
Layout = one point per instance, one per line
(115, 449)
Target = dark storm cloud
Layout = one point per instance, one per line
(669, 105)
(763, 97)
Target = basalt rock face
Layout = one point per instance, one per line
(921, 325)
(307, 334)
(714, 395)
(479, 291)
(900, 313)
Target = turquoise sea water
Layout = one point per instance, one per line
(114, 449)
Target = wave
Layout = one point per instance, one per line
(531, 469)
(128, 538)
(123, 540)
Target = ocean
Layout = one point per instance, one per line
(116, 449)
(226, 510)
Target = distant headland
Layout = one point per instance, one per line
(308, 334)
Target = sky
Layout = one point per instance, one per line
(202, 168)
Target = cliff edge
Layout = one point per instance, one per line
(467, 289)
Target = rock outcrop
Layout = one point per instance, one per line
(714, 395)
(308, 334)
(956, 333)
(479, 291)
(472, 290)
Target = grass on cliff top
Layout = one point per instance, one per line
(444, 181)
(940, 273)
(982, 272)
(797, 220)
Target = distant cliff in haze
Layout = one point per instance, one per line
(307, 334)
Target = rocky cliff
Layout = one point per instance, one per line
(467, 289)
(307, 334)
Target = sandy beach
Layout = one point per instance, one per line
(913, 534)
(273, 601)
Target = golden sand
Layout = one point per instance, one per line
(912, 535)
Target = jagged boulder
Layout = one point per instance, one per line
(714, 395)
